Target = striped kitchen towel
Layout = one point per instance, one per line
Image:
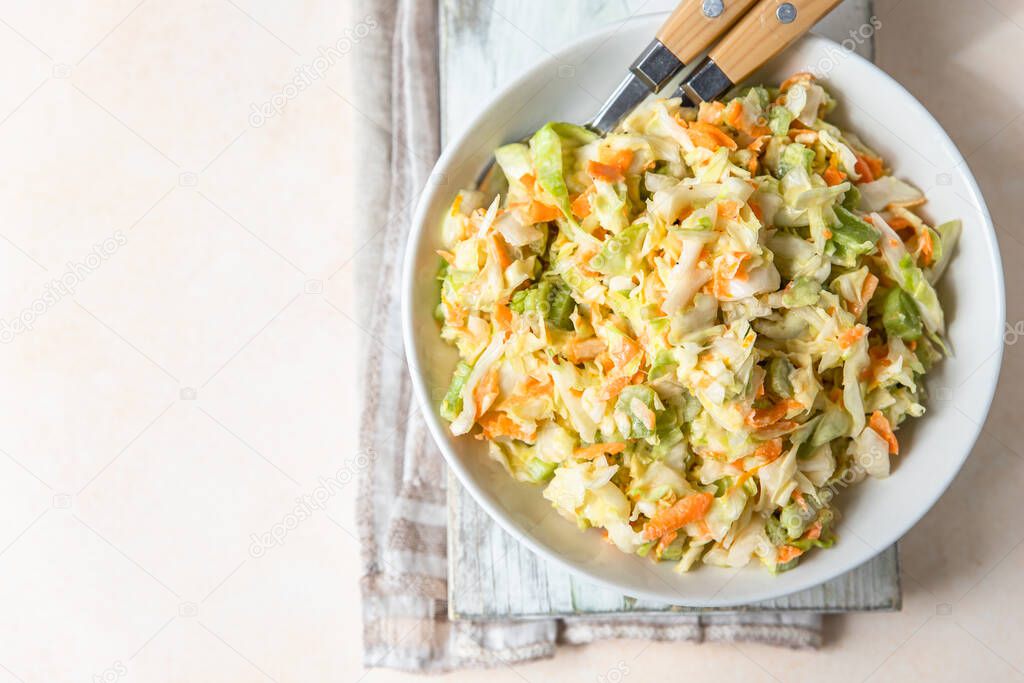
(402, 486)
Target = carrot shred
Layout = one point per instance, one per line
(769, 450)
(581, 205)
(621, 159)
(758, 143)
(862, 168)
(756, 208)
(497, 424)
(728, 268)
(709, 136)
(605, 172)
(485, 392)
(733, 114)
(729, 208)
(927, 248)
(542, 213)
(741, 480)
(711, 112)
(870, 168)
(763, 417)
(833, 176)
(578, 350)
(502, 316)
(664, 542)
(880, 423)
(788, 553)
(879, 361)
(876, 166)
(851, 336)
(597, 449)
(496, 247)
(900, 223)
(527, 389)
(867, 291)
(692, 508)
(794, 79)
(625, 353)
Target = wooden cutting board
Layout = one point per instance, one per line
(490, 574)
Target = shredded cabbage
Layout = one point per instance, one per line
(689, 330)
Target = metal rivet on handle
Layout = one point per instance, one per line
(712, 8)
(786, 13)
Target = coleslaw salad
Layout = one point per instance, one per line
(689, 330)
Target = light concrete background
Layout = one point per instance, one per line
(199, 378)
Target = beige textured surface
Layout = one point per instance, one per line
(145, 573)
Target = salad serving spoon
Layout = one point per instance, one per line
(754, 32)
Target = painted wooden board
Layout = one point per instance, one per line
(490, 574)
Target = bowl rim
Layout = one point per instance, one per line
(441, 437)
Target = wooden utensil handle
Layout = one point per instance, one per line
(764, 32)
(695, 25)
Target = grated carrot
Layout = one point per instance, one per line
(927, 248)
(729, 208)
(788, 553)
(794, 79)
(756, 208)
(851, 336)
(881, 425)
(769, 450)
(578, 350)
(869, 168)
(711, 112)
(502, 316)
(496, 247)
(597, 449)
(868, 289)
(581, 205)
(605, 172)
(763, 417)
(497, 424)
(833, 176)
(862, 168)
(542, 213)
(709, 136)
(664, 542)
(485, 392)
(692, 508)
(621, 159)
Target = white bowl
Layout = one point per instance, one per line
(875, 513)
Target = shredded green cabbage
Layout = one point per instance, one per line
(693, 331)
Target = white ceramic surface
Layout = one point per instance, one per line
(876, 513)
